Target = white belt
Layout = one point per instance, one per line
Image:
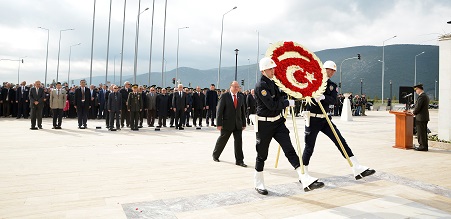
(269, 119)
(317, 115)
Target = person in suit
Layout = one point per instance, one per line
(251, 105)
(114, 107)
(211, 101)
(179, 105)
(36, 105)
(22, 100)
(421, 113)
(189, 103)
(8, 96)
(57, 102)
(125, 114)
(134, 106)
(101, 101)
(106, 113)
(172, 111)
(231, 120)
(93, 109)
(143, 114)
(151, 105)
(163, 105)
(198, 106)
(82, 104)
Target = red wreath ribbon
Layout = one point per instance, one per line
(308, 64)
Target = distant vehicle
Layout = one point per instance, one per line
(433, 106)
(369, 105)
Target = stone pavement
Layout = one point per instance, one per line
(93, 173)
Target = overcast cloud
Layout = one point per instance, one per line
(318, 25)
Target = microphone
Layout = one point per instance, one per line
(408, 95)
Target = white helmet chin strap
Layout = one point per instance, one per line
(263, 72)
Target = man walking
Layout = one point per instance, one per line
(231, 119)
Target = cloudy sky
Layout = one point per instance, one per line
(318, 25)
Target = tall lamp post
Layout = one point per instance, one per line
(92, 41)
(340, 84)
(114, 69)
(70, 52)
(135, 66)
(361, 86)
(108, 45)
(164, 42)
(151, 42)
(59, 49)
(220, 47)
(122, 48)
(178, 42)
(248, 70)
(415, 76)
(236, 64)
(383, 66)
(20, 60)
(47, 55)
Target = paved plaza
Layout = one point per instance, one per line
(95, 173)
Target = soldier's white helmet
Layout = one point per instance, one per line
(330, 64)
(267, 63)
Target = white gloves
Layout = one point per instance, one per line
(291, 102)
(322, 97)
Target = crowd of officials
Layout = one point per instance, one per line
(129, 105)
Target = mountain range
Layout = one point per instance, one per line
(399, 69)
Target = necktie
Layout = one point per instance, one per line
(58, 93)
(235, 101)
(82, 94)
(180, 93)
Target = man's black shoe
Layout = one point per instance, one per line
(314, 185)
(188, 126)
(40, 127)
(262, 191)
(58, 127)
(34, 128)
(420, 148)
(181, 128)
(365, 173)
(241, 164)
(171, 126)
(140, 126)
(53, 127)
(215, 159)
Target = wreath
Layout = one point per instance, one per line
(299, 72)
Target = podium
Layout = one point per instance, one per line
(404, 129)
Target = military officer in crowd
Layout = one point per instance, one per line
(421, 113)
(318, 123)
(134, 106)
(271, 124)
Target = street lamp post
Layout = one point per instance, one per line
(92, 41)
(383, 66)
(70, 52)
(178, 42)
(340, 84)
(220, 47)
(108, 45)
(361, 86)
(47, 55)
(122, 48)
(135, 66)
(151, 42)
(114, 69)
(415, 76)
(164, 42)
(258, 57)
(18, 69)
(59, 49)
(248, 70)
(236, 64)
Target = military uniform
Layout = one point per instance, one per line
(134, 105)
(318, 123)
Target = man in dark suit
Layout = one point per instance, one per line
(114, 107)
(125, 114)
(211, 101)
(231, 119)
(179, 105)
(421, 113)
(22, 100)
(101, 101)
(251, 105)
(106, 113)
(36, 104)
(8, 99)
(198, 106)
(93, 109)
(151, 106)
(82, 104)
(163, 105)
